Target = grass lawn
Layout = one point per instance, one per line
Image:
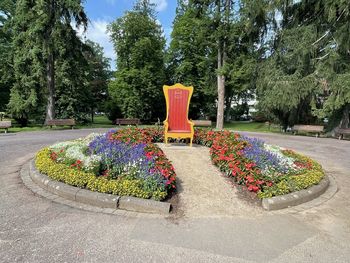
(99, 122)
(251, 126)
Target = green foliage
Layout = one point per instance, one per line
(73, 96)
(47, 58)
(81, 91)
(190, 57)
(74, 177)
(233, 29)
(21, 105)
(99, 75)
(139, 44)
(307, 69)
(42, 30)
(7, 8)
(287, 85)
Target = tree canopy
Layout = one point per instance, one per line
(50, 71)
(306, 74)
(139, 44)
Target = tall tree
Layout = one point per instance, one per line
(26, 93)
(333, 70)
(7, 9)
(222, 17)
(308, 60)
(227, 33)
(245, 49)
(73, 97)
(37, 28)
(139, 45)
(190, 58)
(58, 13)
(99, 76)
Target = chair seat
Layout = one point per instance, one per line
(179, 131)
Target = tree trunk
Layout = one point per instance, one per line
(50, 65)
(344, 123)
(228, 108)
(221, 62)
(221, 93)
(50, 68)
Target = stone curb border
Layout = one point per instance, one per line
(97, 199)
(296, 198)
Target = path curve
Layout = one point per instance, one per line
(34, 229)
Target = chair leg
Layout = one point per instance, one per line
(191, 142)
(165, 139)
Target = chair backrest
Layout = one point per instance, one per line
(177, 102)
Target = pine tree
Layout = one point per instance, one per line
(307, 70)
(37, 30)
(287, 85)
(7, 9)
(333, 68)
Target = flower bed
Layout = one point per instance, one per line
(124, 162)
(127, 162)
(265, 169)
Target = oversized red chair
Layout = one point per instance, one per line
(177, 125)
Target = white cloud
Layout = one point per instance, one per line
(97, 32)
(111, 2)
(161, 5)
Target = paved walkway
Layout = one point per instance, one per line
(33, 229)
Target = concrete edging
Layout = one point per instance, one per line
(97, 199)
(296, 198)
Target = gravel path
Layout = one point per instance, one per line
(203, 190)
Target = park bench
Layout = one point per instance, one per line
(128, 121)
(5, 125)
(308, 128)
(341, 132)
(60, 122)
(202, 123)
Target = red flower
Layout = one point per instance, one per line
(260, 182)
(253, 188)
(250, 179)
(249, 166)
(77, 164)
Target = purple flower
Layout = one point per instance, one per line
(120, 157)
(264, 159)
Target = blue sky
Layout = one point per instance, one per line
(102, 12)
